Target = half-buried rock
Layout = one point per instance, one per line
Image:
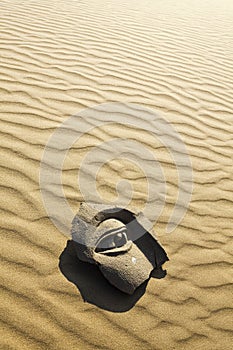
(117, 241)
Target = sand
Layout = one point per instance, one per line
(58, 57)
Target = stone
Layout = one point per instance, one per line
(117, 241)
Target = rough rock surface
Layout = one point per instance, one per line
(116, 240)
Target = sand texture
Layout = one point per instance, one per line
(174, 57)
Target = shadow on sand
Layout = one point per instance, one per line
(93, 287)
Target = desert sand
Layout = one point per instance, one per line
(59, 57)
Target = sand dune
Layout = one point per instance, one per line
(58, 57)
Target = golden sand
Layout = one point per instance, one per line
(175, 57)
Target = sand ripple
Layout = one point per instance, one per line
(58, 57)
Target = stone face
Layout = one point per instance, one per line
(116, 240)
(125, 271)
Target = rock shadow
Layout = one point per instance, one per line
(94, 287)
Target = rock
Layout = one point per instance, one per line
(117, 241)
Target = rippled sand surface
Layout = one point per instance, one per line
(175, 57)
